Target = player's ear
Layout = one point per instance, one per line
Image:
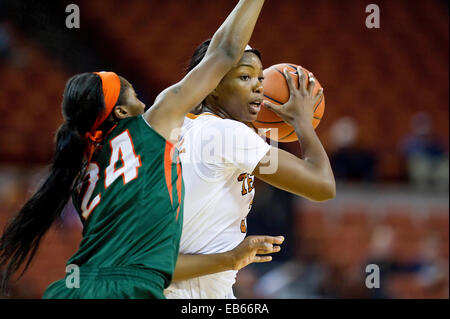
(121, 111)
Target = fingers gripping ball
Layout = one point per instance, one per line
(276, 91)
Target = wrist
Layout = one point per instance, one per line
(302, 124)
(229, 260)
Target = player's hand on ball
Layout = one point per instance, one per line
(248, 250)
(300, 106)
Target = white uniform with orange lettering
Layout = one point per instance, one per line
(218, 157)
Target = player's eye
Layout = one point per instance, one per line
(244, 77)
(261, 78)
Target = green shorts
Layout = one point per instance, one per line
(110, 283)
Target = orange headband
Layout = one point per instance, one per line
(111, 91)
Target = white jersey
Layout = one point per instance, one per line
(218, 157)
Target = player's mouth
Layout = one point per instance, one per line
(255, 106)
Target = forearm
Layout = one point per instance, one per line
(313, 151)
(235, 32)
(191, 266)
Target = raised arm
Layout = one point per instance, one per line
(226, 48)
(310, 176)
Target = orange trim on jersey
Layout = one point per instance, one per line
(194, 116)
(179, 185)
(168, 168)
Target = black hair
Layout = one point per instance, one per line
(198, 56)
(200, 52)
(82, 102)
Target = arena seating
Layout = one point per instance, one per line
(350, 239)
(32, 87)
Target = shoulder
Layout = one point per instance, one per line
(210, 128)
(224, 125)
(134, 125)
(139, 129)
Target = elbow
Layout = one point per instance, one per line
(330, 192)
(326, 192)
(228, 50)
(229, 55)
(234, 51)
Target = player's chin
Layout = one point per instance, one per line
(251, 114)
(248, 117)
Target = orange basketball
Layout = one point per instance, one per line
(276, 90)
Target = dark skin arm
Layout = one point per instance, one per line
(227, 46)
(310, 176)
(191, 266)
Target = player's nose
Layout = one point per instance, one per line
(258, 87)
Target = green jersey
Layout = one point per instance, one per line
(131, 202)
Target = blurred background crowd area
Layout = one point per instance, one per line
(385, 128)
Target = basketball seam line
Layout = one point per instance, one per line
(269, 122)
(287, 65)
(318, 103)
(294, 67)
(293, 131)
(271, 98)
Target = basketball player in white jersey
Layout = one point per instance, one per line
(221, 155)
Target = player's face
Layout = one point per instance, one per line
(240, 92)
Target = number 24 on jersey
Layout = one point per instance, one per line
(121, 149)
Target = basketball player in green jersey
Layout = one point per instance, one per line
(122, 171)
